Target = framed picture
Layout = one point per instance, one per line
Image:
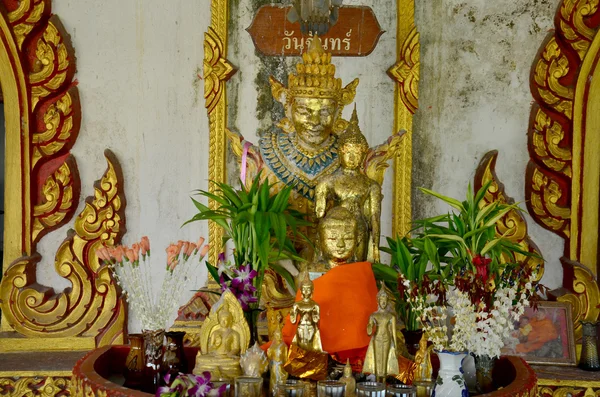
(544, 336)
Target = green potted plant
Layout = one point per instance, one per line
(261, 225)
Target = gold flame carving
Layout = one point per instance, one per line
(58, 204)
(92, 307)
(26, 17)
(34, 386)
(513, 225)
(406, 71)
(52, 65)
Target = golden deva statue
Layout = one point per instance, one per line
(381, 358)
(307, 334)
(350, 188)
(277, 354)
(224, 335)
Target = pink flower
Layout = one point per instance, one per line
(243, 275)
(136, 251)
(204, 251)
(184, 247)
(172, 253)
(117, 253)
(103, 254)
(191, 249)
(130, 255)
(200, 242)
(145, 245)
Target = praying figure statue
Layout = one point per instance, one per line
(223, 337)
(381, 358)
(306, 313)
(277, 354)
(350, 188)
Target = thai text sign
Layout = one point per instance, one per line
(355, 34)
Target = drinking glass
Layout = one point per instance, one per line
(331, 388)
(248, 386)
(219, 383)
(291, 388)
(370, 389)
(400, 391)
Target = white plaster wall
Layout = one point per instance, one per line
(476, 57)
(137, 67)
(138, 63)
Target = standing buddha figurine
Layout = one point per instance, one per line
(350, 188)
(381, 358)
(307, 334)
(423, 370)
(349, 380)
(277, 354)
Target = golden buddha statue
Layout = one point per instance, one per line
(349, 380)
(223, 337)
(277, 354)
(381, 358)
(307, 333)
(350, 188)
(338, 236)
(423, 370)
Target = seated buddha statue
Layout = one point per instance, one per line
(350, 188)
(223, 337)
(346, 293)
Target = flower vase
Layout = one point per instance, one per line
(484, 365)
(174, 361)
(589, 347)
(450, 381)
(134, 363)
(154, 351)
(411, 340)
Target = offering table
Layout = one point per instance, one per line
(96, 373)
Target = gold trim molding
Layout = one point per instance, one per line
(35, 386)
(405, 73)
(42, 192)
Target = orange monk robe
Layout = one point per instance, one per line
(347, 296)
(542, 331)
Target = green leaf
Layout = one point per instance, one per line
(213, 271)
(283, 272)
(449, 200)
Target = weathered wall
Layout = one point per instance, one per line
(476, 57)
(138, 66)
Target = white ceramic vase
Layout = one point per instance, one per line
(450, 381)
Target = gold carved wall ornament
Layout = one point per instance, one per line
(563, 175)
(43, 118)
(513, 225)
(34, 387)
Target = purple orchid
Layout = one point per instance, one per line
(244, 274)
(191, 386)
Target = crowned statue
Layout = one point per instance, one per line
(224, 336)
(303, 148)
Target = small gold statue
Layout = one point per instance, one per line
(223, 337)
(307, 334)
(349, 380)
(423, 370)
(254, 362)
(277, 354)
(381, 358)
(306, 358)
(350, 188)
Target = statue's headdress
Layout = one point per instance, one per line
(353, 134)
(382, 292)
(314, 78)
(305, 280)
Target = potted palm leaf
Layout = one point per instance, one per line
(261, 225)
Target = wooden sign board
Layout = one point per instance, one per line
(355, 34)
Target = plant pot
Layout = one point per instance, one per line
(154, 351)
(484, 365)
(450, 381)
(251, 316)
(134, 363)
(174, 361)
(589, 347)
(411, 340)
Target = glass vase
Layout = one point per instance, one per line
(450, 381)
(154, 351)
(411, 340)
(174, 360)
(484, 365)
(589, 347)
(134, 363)
(251, 316)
